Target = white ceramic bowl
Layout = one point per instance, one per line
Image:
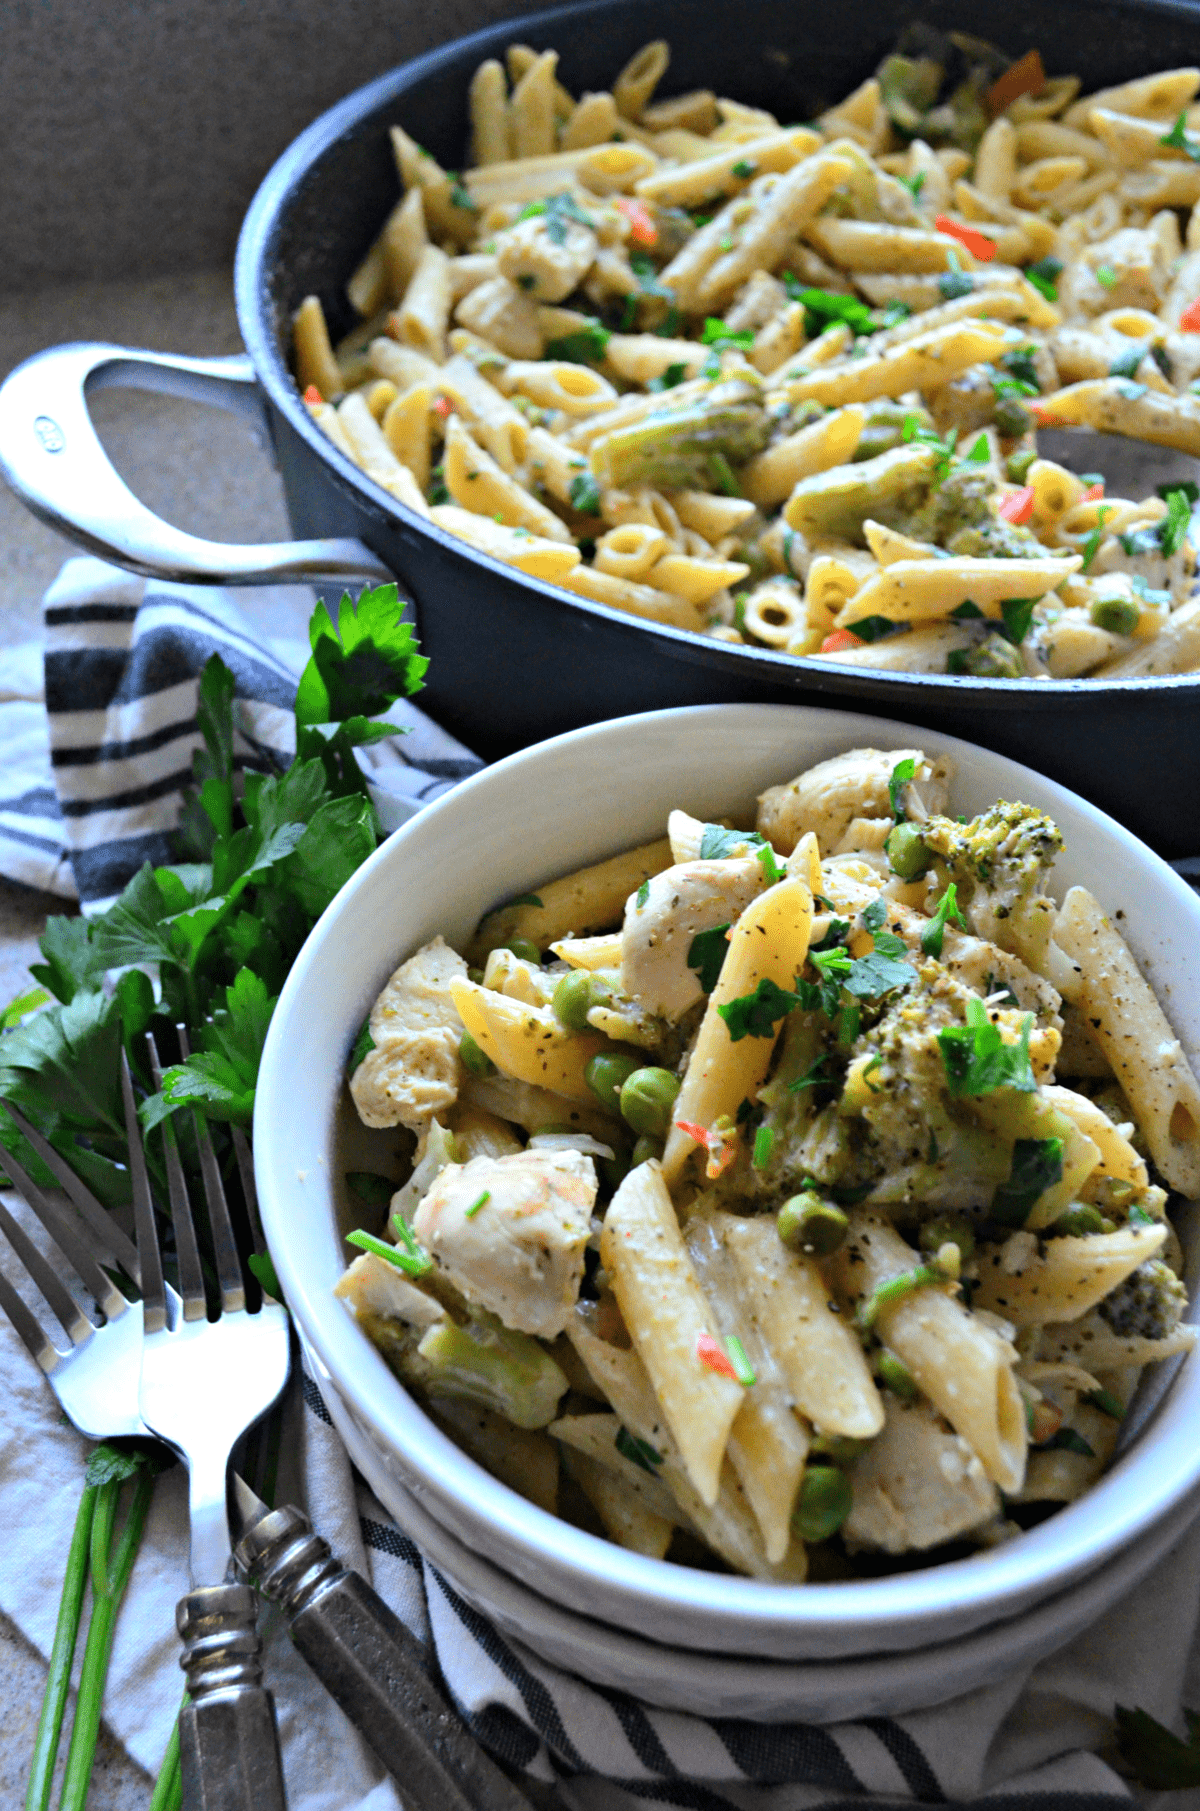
(543, 812)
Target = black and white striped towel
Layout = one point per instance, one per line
(81, 807)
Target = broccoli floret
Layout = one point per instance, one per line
(998, 861)
(995, 540)
(1008, 848)
(1149, 1304)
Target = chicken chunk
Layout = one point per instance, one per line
(509, 1233)
(412, 1073)
(657, 937)
(1136, 273)
(373, 1286)
(917, 1485)
(828, 797)
(549, 254)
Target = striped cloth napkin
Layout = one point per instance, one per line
(90, 789)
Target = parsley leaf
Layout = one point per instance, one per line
(706, 954)
(1066, 1440)
(955, 283)
(716, 843)
(584, 493)
(643, 894)
(363, 1044)
(70, 961)
(1158, 1759)
(1174, 526)
(586, 346)
(824, 308)
(934, 933)
(1037, 1164)
(1017, 613)
(1092, 545)
(1044, 276)
(977, 1060)
(880, 972)
(1179, 139)
(638, 1452)
(814, 1076)
(718, 335)
(1126, 363)
(756, 1015)
(668, 379)
(902, 773)
(221, 1076)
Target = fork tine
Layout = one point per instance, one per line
(75, 1323)
(154, 1295)
(100, 1287)
(191, 1275)
(225, 1251)
(27, 1328)
(245, 1163)
(93, 1211)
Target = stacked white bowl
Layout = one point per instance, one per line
(673, 1635)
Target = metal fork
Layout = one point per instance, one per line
(96, 1378)
(203, 1383)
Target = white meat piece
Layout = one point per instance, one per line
(828, 797)
(917, 1485)
(373, 1286)
(521, 1253)
(694, 896)
(412, 1072)
(546, 257)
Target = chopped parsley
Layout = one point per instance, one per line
(756, 1015)
(1178, 139)
(437, 492)
(1092, 545)
(980, 453)
(643, 894)
(914, 184)
(638, 1452)
(557, 210)
(1179, 499)
(529, 899)
(1105, 275)
(934, 933)
(717, 843)
(1017, 613)
(977, 1060)
(1126, 363)
(1037, 1164)
(955, 283)
(814, 1077)
(894, 312)
(584, 493)
(876, 628)
(1044, 276)
(460, 196)
(673, 375)
(586, 346)
(1066, 1440)
(363, 1044)
(944, 449)
(706, 954)
(743, 169)
(902, 773)
(967, 612)
(718, 335)
(823, 308)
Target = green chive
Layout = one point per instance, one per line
(469, 1213)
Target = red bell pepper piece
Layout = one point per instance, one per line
(976, 243)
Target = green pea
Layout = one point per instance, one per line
(906, 852)
(644, 1150)
(607, 1074)
(522, 947)
(575, 996)
(474, 1060)
(895, 1376)
(1016, 466)
(994, 658)
(936, 1233)
(1119, 615)
(647, 1098)
(809, 1223)
(1080, 1219)
(825, 1501)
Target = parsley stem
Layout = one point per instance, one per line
(62, 1655)
(110, 1575)
(168, 1787)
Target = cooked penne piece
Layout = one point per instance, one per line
(591, 900)
(315, 363)
(1123, 1016)
(916, 590)
(959, 1363)
(1063, 1278)
(476, 482)
(670, 1322)
(767, 945)
(771, 476)
(542, 559)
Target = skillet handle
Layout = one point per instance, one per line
(51, 456)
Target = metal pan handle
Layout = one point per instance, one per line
(51, 455)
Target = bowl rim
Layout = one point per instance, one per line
(253, 265)
(1006, 1578)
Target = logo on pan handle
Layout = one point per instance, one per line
(49, 433)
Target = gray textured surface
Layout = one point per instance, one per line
(135, 133)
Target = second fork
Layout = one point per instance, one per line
(203, 1383)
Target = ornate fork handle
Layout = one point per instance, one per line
(229, 1748)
